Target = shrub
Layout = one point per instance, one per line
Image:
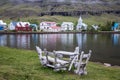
(33, 21)
(107, 26)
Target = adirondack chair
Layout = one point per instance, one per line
(55, 59)
(81, 64)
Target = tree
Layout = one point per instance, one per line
(34, 21)
(107, 26)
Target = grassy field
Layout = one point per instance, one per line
(88, 19)
(17, 64)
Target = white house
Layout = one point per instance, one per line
(46, 25)
(2, 25)
(95, 27)
(67, 26)
(12, 25)
(81, 26)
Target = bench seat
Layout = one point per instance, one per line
(51, 59)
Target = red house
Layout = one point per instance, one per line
(23, 26)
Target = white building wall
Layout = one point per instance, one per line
(67, 26)
(11, 26)
(46, 25)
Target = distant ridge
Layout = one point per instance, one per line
(17, 8)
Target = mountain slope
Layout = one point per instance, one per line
(21, 8)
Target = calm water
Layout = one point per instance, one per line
(105, 47)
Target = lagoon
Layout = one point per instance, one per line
(105, 47)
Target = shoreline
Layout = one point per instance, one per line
(100, 32)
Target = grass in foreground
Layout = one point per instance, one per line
(17, 64)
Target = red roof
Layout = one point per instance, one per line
(55, 27)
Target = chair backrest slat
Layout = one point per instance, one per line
(39, 51)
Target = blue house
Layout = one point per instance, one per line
(115, 26)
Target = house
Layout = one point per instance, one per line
(34, 27)
(46, 25)
(81, 26)
(54, 29)
(23, 26)
(95, 27)
(2, 25)
(67, 26)
(12, 25)
(115, 26)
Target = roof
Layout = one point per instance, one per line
(14, 23)
(55, 27)
(2, 23)
(23, 24)
(33, 25)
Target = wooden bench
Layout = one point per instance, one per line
(64, 60)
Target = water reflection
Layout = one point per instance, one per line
(23, 41)
(35, 39)
(12, 40)
(105, 47)
(81, 40)
(95, 37)
(67, 40)
(54, 41)
(49, 41)
(116, 39)
(3, 40)
(16, 41)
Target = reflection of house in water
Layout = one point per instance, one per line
(116, 39)
(81, 40)
(12, 40)
(35, 38)
(49, 41)
(67, 39)
(43, 40)
(3, 40)
(52, 40)
(23, 41)
(95, 37)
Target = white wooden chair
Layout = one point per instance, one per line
(57, 61)
(46, 58)
(81, 64)
(70, 57)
